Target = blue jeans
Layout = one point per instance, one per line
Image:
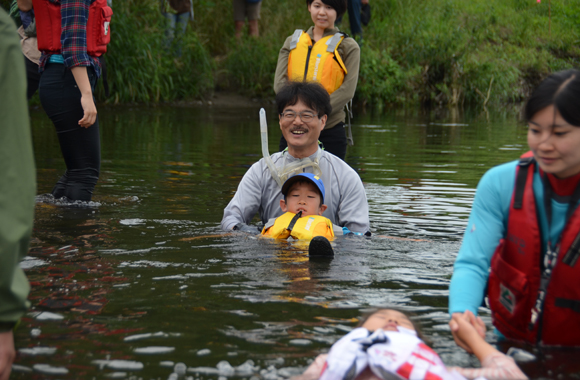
(176, 24)
(354, 9)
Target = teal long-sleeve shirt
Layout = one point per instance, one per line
(17, 176)
(486, 226)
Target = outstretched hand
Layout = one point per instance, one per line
(466, 328)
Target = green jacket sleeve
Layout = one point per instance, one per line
(281, 76)
(17, 175)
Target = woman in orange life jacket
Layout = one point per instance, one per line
(323, 54)
(70, 42)
(524, 226)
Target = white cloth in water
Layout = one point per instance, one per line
(389, 355)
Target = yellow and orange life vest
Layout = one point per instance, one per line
(306, 227)
(319, 62)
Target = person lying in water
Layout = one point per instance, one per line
(303, 205)
(388, 345)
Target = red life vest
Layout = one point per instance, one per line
(48, 27)
(516, 272)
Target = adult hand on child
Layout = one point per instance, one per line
(463, 327)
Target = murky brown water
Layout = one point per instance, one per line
(144, 278)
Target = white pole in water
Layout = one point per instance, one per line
(265, 152)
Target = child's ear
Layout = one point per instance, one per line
(321, 210)
(283, 205)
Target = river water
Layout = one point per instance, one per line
(143, 278)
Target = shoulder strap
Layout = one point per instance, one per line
(521, 180)
(295, 37)
(333, 42)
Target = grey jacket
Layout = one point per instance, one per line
(259, 193)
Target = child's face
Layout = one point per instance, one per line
(388, 320)
(305, 197)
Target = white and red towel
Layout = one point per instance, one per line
(390, 355)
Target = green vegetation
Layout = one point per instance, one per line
(439, 51)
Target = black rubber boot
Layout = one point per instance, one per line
(320, 247)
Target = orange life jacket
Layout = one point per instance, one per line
(319, 62)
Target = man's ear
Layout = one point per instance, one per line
(322, 209)
(283, 205)
(323, 121)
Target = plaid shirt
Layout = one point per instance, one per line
(73, 36)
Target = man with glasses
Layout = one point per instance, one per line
(303, 109)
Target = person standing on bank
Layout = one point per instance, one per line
(523, 235)
(177, 13)
(247, 9)
(71, 42)
(325, 55)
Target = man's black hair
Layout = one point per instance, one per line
(338, 5)
(312, 94)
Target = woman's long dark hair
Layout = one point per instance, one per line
(562, 90)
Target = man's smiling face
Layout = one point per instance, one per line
(302, 137)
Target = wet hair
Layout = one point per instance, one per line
(312, 94)
(300, 182)
(416, 326)
(562, 90)
(338, 5)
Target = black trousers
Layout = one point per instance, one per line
(333, 139)
(32, 77)
(80, 147)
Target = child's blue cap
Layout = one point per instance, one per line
(301, 177)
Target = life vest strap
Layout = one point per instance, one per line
(295, 37)
(333, 42)
(568, 304)
(293, 221)
(521, 180)
(573, 253)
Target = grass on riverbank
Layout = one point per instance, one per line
(437, 52)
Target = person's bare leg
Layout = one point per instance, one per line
(253, 28)
(239, 26)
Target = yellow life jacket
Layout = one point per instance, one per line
(319, 62)
(306, 227)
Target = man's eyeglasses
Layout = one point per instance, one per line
(305, 116)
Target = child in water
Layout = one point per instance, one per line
(303, 205)
(388, 345)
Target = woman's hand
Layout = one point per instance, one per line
(464, 327)
(90, 111)
(87, 102)
(470, 331)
